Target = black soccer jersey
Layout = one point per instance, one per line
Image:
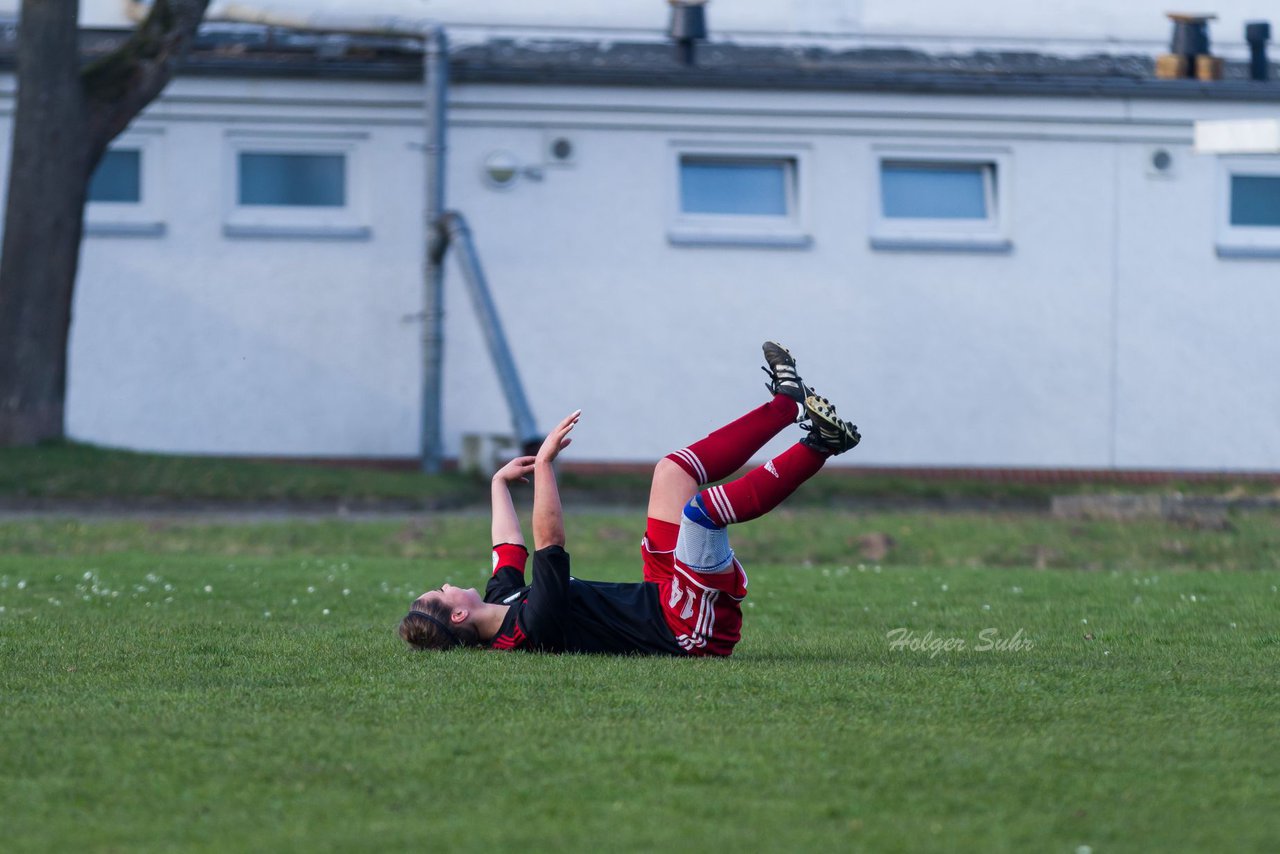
(559, 613)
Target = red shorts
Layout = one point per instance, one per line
(704, 610)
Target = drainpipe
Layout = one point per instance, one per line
(458, 235)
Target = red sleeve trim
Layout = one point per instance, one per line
(510, 554)
(511, 641)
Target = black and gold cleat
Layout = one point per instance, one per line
(783, 378)
(828, 432)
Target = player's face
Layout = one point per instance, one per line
(453, 598)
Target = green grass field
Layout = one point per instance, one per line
(73, 472)
(179, 686)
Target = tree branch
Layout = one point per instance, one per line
(119, 85)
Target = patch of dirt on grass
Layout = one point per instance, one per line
(874, 546)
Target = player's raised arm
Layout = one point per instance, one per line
(506, 524)
(548, 519)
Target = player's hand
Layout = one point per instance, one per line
(558, 439)
(516, 470)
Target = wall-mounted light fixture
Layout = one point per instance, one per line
(502, 169)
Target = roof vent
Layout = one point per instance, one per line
(1189, 55)
(688, 26)
(1257, 34)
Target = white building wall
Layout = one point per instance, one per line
(1196, 333)
(198, 342)
(1111, 335)
(947, 359)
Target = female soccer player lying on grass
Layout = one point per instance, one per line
(690, 602)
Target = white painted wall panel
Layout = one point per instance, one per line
(1196, 334)
(196, 342)
(1111, 334)
(946, 359)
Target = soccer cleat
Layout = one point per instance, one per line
(783, 378)
(828, 432)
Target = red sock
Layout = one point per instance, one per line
(728, 449)
(762, 489)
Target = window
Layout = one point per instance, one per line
(124, 196)
(745, 196)
(304, 180)
(1255, 200)
(118, 177)
(911, 190)
(736, 187)
(295, 185)
(950, 200)
(1249, 216)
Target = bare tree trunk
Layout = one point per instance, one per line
(64, 120)
(48, 176)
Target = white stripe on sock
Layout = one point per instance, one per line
(692, 459)
(723, 505)
(715, 504)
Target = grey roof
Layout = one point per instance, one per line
(860, 70)
(252, 50)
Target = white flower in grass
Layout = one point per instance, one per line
(325, 612)
(1084, 849)
(311, 590)
(986, 607)
(945, 588)
(1, 609)
(346, 591)
(1017, 590)
(293, 601)
(266, 614)
(22, 585)
(1085, 622)
(208, 588)
(168, 587)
